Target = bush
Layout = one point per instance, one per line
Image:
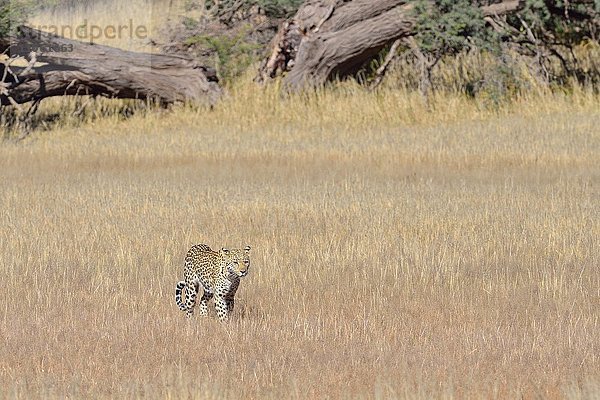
(272, 8)
(12, 14)
(544, 31)
(449, 27)
(279, 8)
(233, 53)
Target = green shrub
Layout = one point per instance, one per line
(449, 27)
(12, 14)
(279, 8)
(272, 8)
(233, 53)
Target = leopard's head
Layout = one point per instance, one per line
(238, 260)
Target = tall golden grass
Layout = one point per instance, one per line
(154, 16)
(400, 250)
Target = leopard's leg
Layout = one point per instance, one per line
(230, 303)
(191, 291)
(221, 307)
(230, 295)
(206, 296)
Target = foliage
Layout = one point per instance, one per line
(448, 27)
(190, 23)
(12, 14)
(547, 31)
(272, 8)
(279, 8)
(559, 21)
(233, 53)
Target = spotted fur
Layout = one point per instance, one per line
(218, 272)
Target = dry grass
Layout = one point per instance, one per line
(396, 253)
(154, 16)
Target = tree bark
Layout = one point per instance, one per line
(77, 68)
(334, 38)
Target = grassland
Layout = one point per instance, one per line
(75, 19)
(397, 252)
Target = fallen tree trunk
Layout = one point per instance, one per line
(76, 68)
(334, 38)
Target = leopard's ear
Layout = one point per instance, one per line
(224, 250)
(247, 249)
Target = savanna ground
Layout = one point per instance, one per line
(396, 252)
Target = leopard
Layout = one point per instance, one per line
(219, 274)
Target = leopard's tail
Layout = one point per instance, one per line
(178, 295)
